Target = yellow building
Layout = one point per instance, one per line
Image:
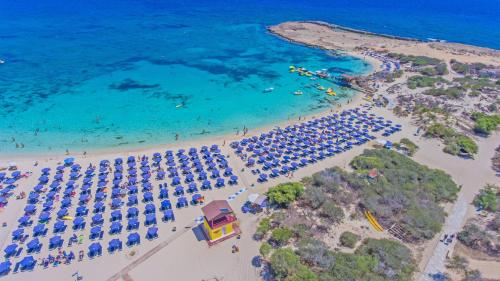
(219, 222)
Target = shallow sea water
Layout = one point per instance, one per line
(95, 74)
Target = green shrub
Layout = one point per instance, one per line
(332, 212)
(423, 81)
(348, 239)
(285, 265)
(263, 228)
(281, 235)
(485, 124)
(451, 92)
(409, 146)
(488, 198)
(265, 249)
(467, 144)
(438, 130)
(405, 192)
(286, 193)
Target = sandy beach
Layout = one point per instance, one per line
(180, 255)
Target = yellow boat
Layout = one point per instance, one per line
(330, 92)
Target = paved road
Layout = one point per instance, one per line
(454, 222)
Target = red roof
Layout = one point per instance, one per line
(373, 173)
(215, 209)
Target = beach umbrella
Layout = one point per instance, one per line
(29, 209)
(132, 224)
(82, 211)
(34, 245)
(165, 205)
(133, 239)
(59, 226)
(10, 250)
(69, 161)
(116, 215)
(66, 202)
(5, 268)
(132, 212)
(116, 203)
(150, 219)
(148, 197)
(152, 233)
(17, 234)
(39, 229)
(114, 244)
(24, 221)
(132, 200)
(95, 232)
(163, 193)
(149, 208)
(27, 263)
(97, 219)
(55, 242)
(44, 217)
(168, 215)
(95, 249)
(219, 182)
(62, 213)
(182, 202)
(115, 228)
(99, 207)
(78, 223)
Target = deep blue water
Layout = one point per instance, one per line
(85, 74)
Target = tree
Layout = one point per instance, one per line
(332, 212)
(348, 239)
(315, 197)
(281, 235)
(265, 249)
(467, 144)
(284, 263)
(315, 252)
(286, 193)
(458, 263)
(488, 198)
(263, 228)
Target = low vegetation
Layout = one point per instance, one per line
(481, 235)
(407, 146)
(415, 60)
(408, 193)
(438, 69)
(423, 81)
(450, 92)
(297, 237)
(349, 239)
(284, 194)
(455, 143)
(392, 76)
(485, 124)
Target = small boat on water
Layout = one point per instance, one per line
(321, 88)
(330, 92)
(298, 93)
(2, 61)
(268, 90)
(179, 105)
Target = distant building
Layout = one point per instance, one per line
(220, 222)
(373, 173)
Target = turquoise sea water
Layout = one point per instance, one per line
(91, 74)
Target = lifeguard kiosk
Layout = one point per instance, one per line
(219, 222)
